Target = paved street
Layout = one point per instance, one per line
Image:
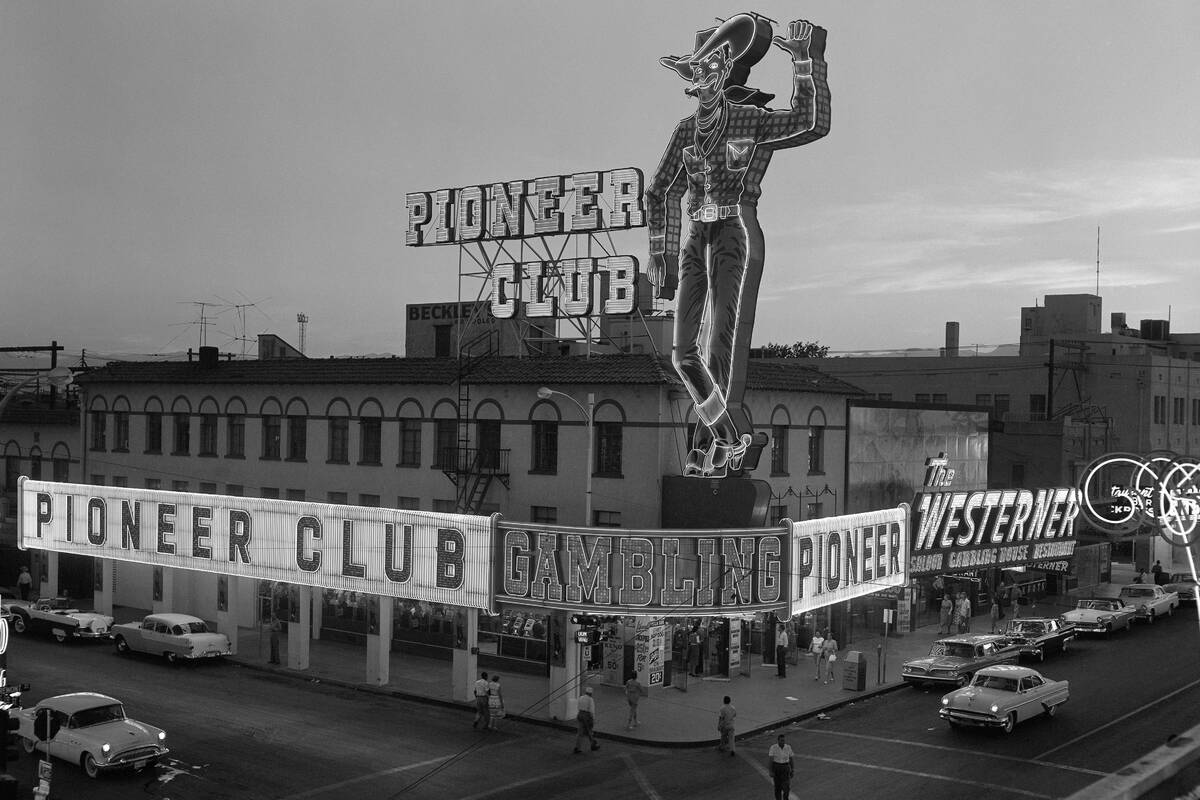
(240, 733)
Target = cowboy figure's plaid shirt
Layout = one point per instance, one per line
(731, 173)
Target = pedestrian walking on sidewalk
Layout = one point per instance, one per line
(817, 648)
(495, 703)
(947, 612)
(24, 583)
(995, 613)
(276, 627)
(634, 691)
(781, 649)
(830, 648)
(725, 720)
(481, 701)
(585, 721)
(782, 767)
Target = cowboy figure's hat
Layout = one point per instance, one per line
(748, 37)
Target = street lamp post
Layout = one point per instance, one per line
(58, 377)
(589, 414)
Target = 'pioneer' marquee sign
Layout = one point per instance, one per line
(644, 572)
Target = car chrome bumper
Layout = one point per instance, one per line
(207, 654)
(87, 633)
(963, 718)
(133, 759)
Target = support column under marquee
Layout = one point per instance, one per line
(299, 633)
(49, 587)
(318, 607)
(163, 598)
(102, 595)
(465, 666)
(379, 644)
(565, 683)
(227, 619)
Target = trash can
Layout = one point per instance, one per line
(854, 671)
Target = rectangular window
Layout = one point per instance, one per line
(442, 340)
(445, 507)
(608, 449)
(814, 511)
(1177, 411)
(938, 398)
(269, 492)
(338, 498)
(410, 443)
(547, 515)
(1002, 405)
(445, 433)
(207, 488)
(97, 480)
(606, 519)
(35, 466)
(369, 500)
(1196, 411)
(235, 489)
(121, 431)
(921, 397)
(487, 436)
(1037, 407)
(816, 451)
(270, 436)
(153, 432)
(179, 486)
(983, 399)
(297, 438)
(408, 503)
(120, 480)
(208, 434)
(370, 431)
(545, 447)
(235, 436)
(296, 494)
(339, 440)
(183, 435)
(99, 429)
(153, 483)
(779, 450)
(1160, 409)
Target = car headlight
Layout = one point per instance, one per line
(104, 748)
(945, 701)
(1143, 607)
(995, 709)
(162, 735)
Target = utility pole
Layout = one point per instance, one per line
(302, 318)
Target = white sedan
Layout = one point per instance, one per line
(91, 730)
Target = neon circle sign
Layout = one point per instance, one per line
(1124, 493)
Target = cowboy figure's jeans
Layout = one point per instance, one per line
(720, 268)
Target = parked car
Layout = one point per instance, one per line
(1101, 615)
(94, 733)
(1002, 696)
(172, 636)
(1149, 600)
(58, 617)
(1037, 636)
(955, 659)
(1182, 584)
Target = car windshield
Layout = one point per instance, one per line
(995, 682)
(1028, 628)
(97, 715)
(953, 649)
(1097, 605)
(195, 627)
(1136, 592)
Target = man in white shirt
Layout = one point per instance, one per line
(481, 701)
(781, 767)
(586, 720)
(781, 648)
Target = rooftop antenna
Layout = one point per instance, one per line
(204, 322)
(239, 310)
(302, 318)
(1097, 261)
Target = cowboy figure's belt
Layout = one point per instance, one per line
(711, 212)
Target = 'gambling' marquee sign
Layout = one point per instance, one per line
(658, 572)
(441, 558)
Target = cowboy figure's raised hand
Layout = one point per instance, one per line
(798, 39)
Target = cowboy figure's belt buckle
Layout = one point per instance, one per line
(709, 212)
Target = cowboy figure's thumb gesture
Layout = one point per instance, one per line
(798, 39)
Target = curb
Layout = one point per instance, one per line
(284, 673)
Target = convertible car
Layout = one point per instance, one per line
(58, 617)
(1150, 601)
(955, 659)
(93, 732)
(1000, 697)
(1038, 636)
(172, 636)
(1100, 615)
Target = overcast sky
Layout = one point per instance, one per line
(155, 155)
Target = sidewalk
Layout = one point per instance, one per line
(668, 716)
